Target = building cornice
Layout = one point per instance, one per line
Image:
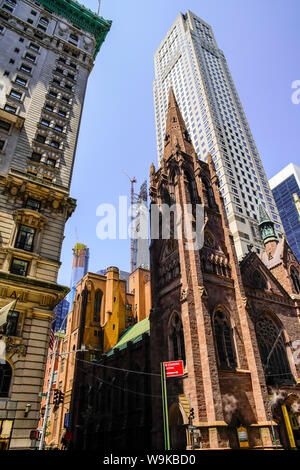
(81, 16)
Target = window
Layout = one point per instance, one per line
(74, 37)
(25, 68)
(19, 266)
(51, 162)
(224, 341)
(34, 47)
(272, 350)
(52, 93)
(97, 305)
(295, 279)
(8, 8)
(62, 113)
(258, 280)
(36, 157)
(2, 143)
(15, 94)
(44, 21)
(45, 122)
(49, 107)
(30, 57)
(54, 144)
(5, 126)
(176, 338)
(65, 99)
(25, 238)
(11, 109)
(21, 81)
(40, 138)
(33, 204)
(5, 378)
(58, 128)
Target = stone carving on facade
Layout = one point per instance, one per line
(184, 294)
(62, 28)
(13, 346)
(203, 292)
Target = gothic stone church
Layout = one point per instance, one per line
(235, 325)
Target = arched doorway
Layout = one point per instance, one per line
(177, 428)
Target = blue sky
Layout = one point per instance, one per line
(260, 39)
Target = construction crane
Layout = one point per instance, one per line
(132, 181)
(133, 197)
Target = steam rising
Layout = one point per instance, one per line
(230, 406)
(278, 397)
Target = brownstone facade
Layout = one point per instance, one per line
(235, 326)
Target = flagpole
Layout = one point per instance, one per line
(42, 440)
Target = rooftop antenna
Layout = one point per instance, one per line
(99, 3)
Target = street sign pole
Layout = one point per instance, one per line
(165, 406)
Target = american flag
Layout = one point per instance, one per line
(51, 343)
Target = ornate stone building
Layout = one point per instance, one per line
(104, 318)
(235, 325)
(47, 52)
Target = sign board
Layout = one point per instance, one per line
(243, 436)
(174, 368)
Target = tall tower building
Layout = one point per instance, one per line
(285, 186)
(47, 53)
(189, 59)
(80, 267)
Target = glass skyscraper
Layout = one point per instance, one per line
(285, 186)
(189, 60)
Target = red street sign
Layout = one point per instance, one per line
(174, 368)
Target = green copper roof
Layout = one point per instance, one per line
(266, 224)
(263, 213)
(133, 334)
(81, 16)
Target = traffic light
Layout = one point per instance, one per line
(61, 397)
(192, 415)
(56, 397)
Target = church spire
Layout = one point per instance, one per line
(266, 225)
(176, 136)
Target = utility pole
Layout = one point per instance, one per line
(42, 440)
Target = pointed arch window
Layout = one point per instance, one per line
(258, 280)
(192, 187)
(210, 197)
(224, 341)
(97, 305)
(5, 379)
(176, 338)
(271, 343)
(295, 279)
